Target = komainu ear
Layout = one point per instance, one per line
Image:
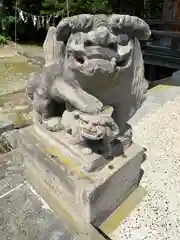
(131, 25)
(79, 23)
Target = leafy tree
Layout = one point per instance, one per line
(151, 9)
(75, 6)
(31, 6)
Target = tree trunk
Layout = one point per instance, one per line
(169, 9)
(116, 5)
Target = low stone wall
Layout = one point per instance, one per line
(15, 113)
(34, 54)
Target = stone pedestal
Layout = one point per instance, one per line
(24, 213)
(87, 197)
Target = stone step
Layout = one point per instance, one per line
(25, 215)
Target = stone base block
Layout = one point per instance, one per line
(87, 197)
(25, 215)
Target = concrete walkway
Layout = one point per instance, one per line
(157, 127)
(9, 50)
(34, 54)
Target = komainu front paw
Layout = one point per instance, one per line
(53, 124)
(86, 151)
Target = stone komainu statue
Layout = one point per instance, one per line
(92, 61)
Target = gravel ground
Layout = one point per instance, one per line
(31, 51)
(9, 50)
(14, 68)
(158, 215)
(14, 73)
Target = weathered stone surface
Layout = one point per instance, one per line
(15, 111)
(91, 85)
(11, 171)
(88, 197)
(10, 140)
(92, 61)
(88, 162)
(24, 215)
(53, 49)
(15, 138)
(5, 124)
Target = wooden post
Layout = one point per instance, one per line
(15, 24)
(1, 13)
(170, 10)
(177, 10)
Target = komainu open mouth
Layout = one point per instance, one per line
(79, 58)
(118, 62)
(93, 134)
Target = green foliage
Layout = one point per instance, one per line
(142, 8)
(89, 6)
(151, 9)
(3, 40)
(31, 6)
(75, 6)
(5, 24)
